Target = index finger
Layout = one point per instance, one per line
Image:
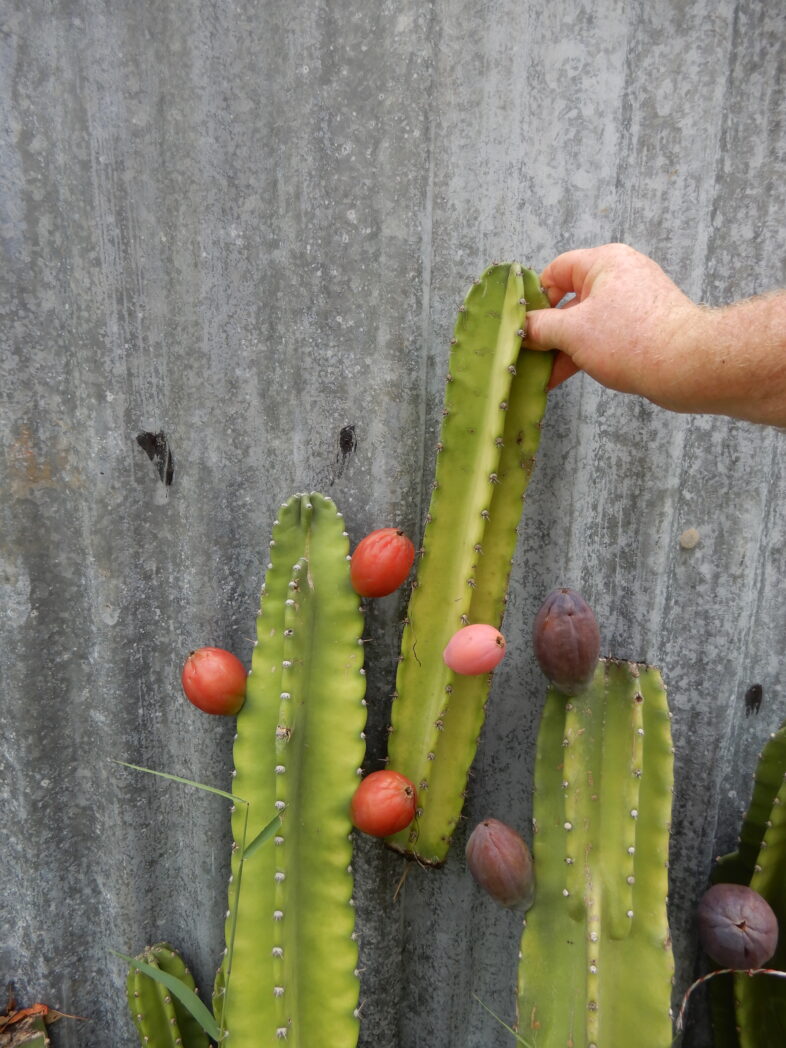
(568, 272)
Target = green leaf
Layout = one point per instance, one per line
(264, 835)
(184, 993)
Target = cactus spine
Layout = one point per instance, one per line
(749, 1012)
(160, 1019)
(602, 804)
(290, 969)
(494, 402)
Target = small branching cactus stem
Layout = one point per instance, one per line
(750, 1011)
(602, 806)
(494, 402)
(290, 969)
(739, 866)
(160, 1019)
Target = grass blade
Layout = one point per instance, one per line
(502, 1022)
(264, 835)
(178, 778)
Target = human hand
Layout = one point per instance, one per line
(629, 326)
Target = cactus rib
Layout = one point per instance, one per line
(494, 402)
(292, 972)
(601, 817)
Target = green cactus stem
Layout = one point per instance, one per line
(738, 867)
(751, 1011)
(290, 966)
(761, 1001)
(160, 1018)
(602, 804)
(494, 403)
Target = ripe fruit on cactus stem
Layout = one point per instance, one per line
(475, 649)
(566, 640)
(381, 562)
(383, 803)
(500, 861)
(214, 680)
(737, 927)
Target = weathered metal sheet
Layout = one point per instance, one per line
(235, 237)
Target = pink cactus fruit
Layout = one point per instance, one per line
(475, 649)
(737, 926)
(500, 861)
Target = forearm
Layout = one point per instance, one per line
(736, 357)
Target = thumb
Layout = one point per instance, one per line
(547, 329)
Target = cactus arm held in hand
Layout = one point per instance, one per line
(604, 776)
(494, 401)
(299, 746)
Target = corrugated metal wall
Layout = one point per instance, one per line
(247, 226)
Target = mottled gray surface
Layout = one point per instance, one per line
(247, 226)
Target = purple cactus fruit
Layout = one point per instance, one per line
(500, 861)
(737, 927)
(566, 640)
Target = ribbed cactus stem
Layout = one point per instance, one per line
(160, 1019)
(751, 1012)
(494, 402)
(299, 746)
(603, 784)
(738, 867)
(761, 1001)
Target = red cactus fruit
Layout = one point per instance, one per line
(383, 803)
(475, 649)
(381, 562)
(566, 640)
(500, 861)
(214, 680)
(737, 926)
